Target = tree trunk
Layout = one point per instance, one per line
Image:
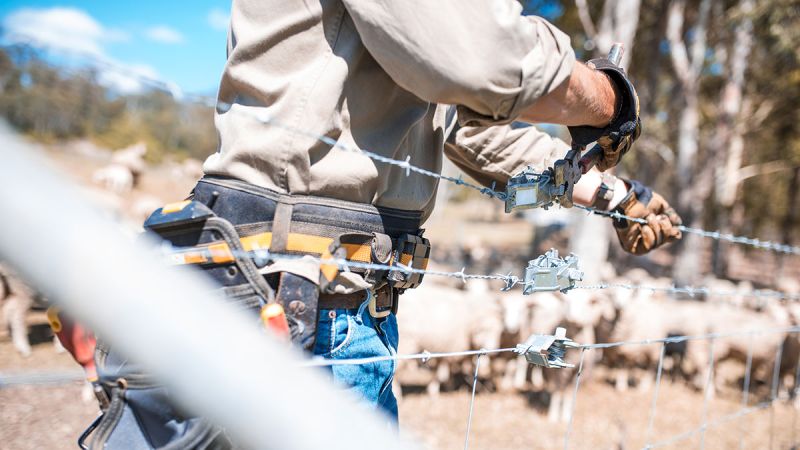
(691, 181)
(591, 235)
(618, 24)
(728, 143)
(789, 221)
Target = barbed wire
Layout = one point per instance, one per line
(509, 280)
(408, 167)
(425, 356)
(267, 119)
(716, 235)
(262, 116)
(264, 255)
(692, 291)
(405, 164)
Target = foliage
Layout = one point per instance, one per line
(51, 104)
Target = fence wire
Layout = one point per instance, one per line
(262, 116)
(706, 424)
(510, 281)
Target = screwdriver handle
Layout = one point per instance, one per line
(615, 54)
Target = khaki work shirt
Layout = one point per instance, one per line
(379, 75)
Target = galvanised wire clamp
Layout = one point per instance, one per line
(549, 272)
(529, 189)
(547, 351)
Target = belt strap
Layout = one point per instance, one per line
(219, 252)
(281, 224)
(383, 300)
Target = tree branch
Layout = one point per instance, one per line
(699, 44)
(678, 52)
(586, 19)
(754, 170)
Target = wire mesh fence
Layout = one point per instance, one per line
(779, 391)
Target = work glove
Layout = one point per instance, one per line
(616, 138)
(662, 221)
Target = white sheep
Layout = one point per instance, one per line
(114, 177)
(17, 300)
(132, 158)
(441, 319)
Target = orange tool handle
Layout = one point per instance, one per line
(274, 319)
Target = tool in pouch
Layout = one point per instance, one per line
(529, 189)
(294, 303)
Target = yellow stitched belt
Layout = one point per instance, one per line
(220, 252)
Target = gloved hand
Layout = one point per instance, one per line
(617, 137)
(662, 221)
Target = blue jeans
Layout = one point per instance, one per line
(351, 333)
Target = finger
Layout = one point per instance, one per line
(629, 237)
(649, 234)
(657, 205)
(673, 216)
(667, 230)
(655, 226)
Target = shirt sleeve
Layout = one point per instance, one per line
(481, 55)
(495, 154)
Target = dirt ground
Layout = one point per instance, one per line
(52, 416)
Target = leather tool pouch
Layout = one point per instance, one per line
(299, 298)
(138, 413)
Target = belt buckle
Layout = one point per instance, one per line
(374, 311)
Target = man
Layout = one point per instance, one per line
(374, 75)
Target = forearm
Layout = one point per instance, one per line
(587, 188)
(587, 97)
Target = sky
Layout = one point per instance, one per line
(182, 42)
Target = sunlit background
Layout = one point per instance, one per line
(118, 96)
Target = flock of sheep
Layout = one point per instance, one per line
(447, 317)
(444, 315)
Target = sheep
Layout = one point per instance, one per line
(764, 346)
(17, 300)
(645, 314)
(581, 312)
(654, 316)
(114, 177)
(441, 319)
(131, 158)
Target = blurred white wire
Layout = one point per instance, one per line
(217, 363)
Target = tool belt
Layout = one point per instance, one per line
(233, 231)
